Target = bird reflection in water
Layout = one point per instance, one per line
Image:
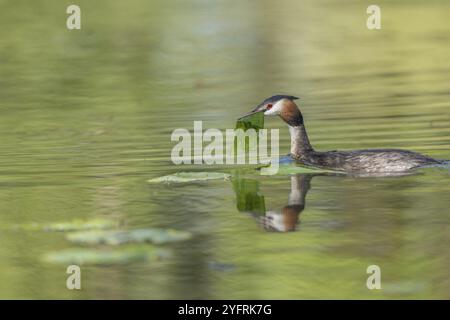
(250, 200)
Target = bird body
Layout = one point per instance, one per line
(366, 161)
(355, 161)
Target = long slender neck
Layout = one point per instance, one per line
(299, 141)
(291, 114)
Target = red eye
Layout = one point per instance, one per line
(269, 106)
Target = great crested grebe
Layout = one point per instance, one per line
(364, 161)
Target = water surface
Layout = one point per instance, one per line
(86, 118)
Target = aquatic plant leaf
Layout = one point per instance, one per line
(82, 256)
(253, 121)
(157, 236)
(248, 196)
(81, 225)
(190, 177)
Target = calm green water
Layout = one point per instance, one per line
(86, 118)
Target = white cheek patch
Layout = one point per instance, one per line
(275, 220)
(276, 109)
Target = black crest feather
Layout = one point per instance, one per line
(276, 98)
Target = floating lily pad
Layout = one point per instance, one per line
(105, 257)
(190, 176)
(157, 236)
(82, 225)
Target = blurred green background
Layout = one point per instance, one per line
(86, 117)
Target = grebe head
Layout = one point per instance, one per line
(283, 106)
